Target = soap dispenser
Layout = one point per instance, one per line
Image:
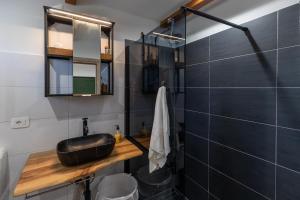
(118, 135)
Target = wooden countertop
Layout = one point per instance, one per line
(43, 170)
(144, 141)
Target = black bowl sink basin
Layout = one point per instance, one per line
(81, 150)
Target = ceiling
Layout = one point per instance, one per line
(224, 9)
(150, 9)
(158, 9)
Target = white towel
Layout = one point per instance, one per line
(159, 143)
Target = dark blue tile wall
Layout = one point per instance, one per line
(259, 71)
(197, 75)
(288, 67)
(228, 189)
(233, 42)
(200, 175)
(254, 104)
(289, 27)
(194, 191)
(252, 138)
(289, 148)
(288, 184)
(197, 123)
(255, 173)
(242, 111)
(196, 147)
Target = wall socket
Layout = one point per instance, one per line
(19, 122)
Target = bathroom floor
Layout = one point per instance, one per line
(170, 194)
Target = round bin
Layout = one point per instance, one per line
(156, 182)
(118, 187)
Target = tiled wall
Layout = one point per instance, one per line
(242, 112)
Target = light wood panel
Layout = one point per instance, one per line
(73, 2)
(59, 52)
(176, 15)
(52, 51)
(144, 141)
(106, 57)
(43, 170)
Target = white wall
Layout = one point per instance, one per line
(22, 86)
(198, 28)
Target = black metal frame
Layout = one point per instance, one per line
(202, 14)
(87, 179)
(127, 109)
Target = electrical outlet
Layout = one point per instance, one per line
(19, 122)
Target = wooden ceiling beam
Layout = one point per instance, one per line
(73, 2)
(176, 15)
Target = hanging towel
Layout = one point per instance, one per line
(159, 143)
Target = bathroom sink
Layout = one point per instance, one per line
(81, 150)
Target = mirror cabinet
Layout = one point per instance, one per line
(78, 54)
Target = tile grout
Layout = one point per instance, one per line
(231, 148)
(243, 120)
(239, 151)
(209, 122)
(276, 102)
(227, 176)
(244, 55)
(241, 87)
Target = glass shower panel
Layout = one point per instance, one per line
(156, 59)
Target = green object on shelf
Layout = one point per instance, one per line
(84, 85)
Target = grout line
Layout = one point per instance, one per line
(242, 152)
(196, 159)
(233, 118)
(286, 168)
(231, 148)
(200, 63)
(244, 55)
(191, 179)
(209, 123)
(232, 179)
(214, 87)
(209, 194)
(276, 102)
(243, 120)
(239, 151)
(292, 129)
(239, 87)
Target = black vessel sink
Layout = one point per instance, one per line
(80, 150)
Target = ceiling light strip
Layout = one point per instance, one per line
(79, 17)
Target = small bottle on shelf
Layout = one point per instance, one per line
(118, 136)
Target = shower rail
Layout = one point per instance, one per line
(202, 14)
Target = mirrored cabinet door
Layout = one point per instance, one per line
(86, 40)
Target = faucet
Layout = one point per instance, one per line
(85, 126)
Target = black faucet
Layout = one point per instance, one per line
(85, 126)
